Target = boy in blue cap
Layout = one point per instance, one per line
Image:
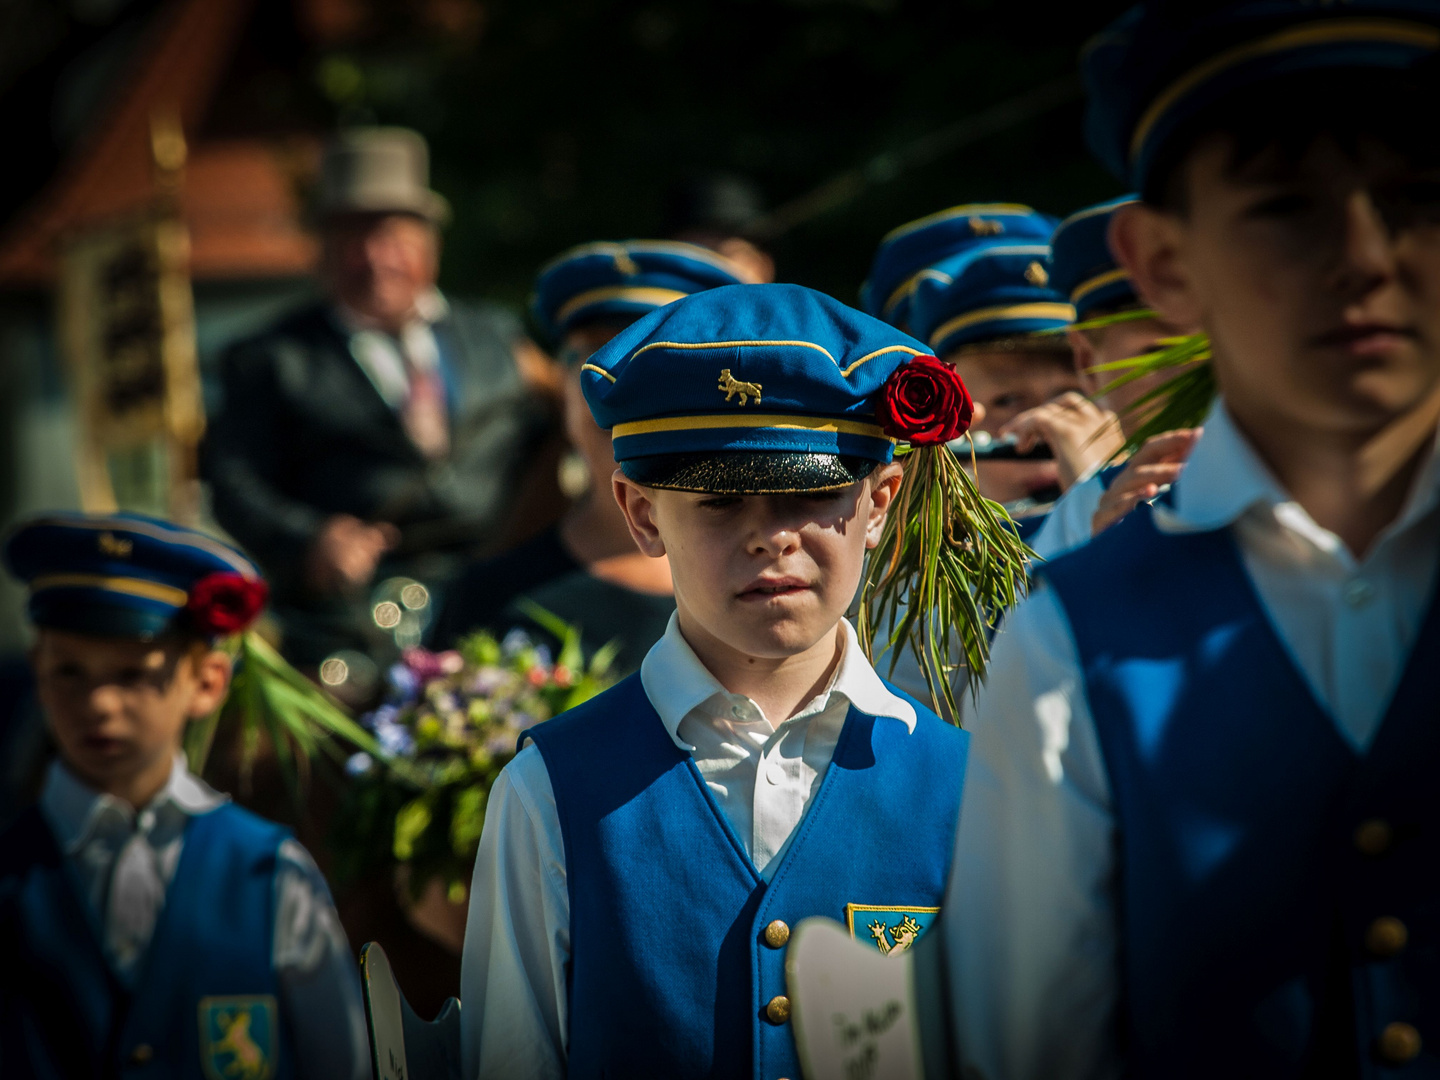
(149, 926)
(586, 568)
(1083, 268)
(643, 861)
(991, 311)
(1221, 828)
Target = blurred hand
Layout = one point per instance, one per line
(345, 552)
(1079, 433)
(1154, 465)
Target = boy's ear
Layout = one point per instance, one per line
(1084, 350)
(638, 505)
(884, 486)
(1147, 242)
(213, 669)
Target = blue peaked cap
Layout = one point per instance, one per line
(1082, 267)
(621, 282)
(747, 389)
(1163, 62)
(906, 251)
(993, 290)
(114, 575)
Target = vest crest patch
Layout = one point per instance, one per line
(239, 1037)
(892, 930)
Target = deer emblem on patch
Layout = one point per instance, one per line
(733, 386)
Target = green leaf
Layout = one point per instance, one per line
(411, 821)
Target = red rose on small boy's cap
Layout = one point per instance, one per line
(924, 403)
(224, 603)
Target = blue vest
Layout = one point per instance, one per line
(670, 972)
(1249, 870)
(63, 1013)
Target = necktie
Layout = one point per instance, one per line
(423, 413)
(136, 896)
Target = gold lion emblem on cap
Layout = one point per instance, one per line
(733, 386)
(1037, 275)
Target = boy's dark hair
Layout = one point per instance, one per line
(1286, 118)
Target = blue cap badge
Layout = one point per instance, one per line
(991, 291)
(748, 390)
(125, 575)
(1160, 64)
(621, 282)
(1082, 267)
(906, 251)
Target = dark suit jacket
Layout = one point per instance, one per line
(301, 434)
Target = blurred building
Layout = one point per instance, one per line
(95, 87)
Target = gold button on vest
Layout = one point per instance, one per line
(777, 934)
(1386, 936)
(778, 1011)
(1398, 1043)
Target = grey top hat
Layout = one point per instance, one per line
(377, 170)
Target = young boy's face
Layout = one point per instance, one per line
(118, 707)
(1317, 278)
(762, 575)
(1008, 383)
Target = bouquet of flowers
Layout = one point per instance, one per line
(450, 724)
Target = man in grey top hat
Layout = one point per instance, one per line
(384, 430)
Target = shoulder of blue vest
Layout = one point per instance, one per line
(621, 698)
(1107, 550)
(244, 827)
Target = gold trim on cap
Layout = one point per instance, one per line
(641, 294)
(729, 345)
(148, 590)
(963, 210)
(132, 525)
(598, 371)
(1065, 312)
(1393, 31)
(845, 372)
(751, 420)
(1099, 281)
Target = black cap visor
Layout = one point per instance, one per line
(744, 472)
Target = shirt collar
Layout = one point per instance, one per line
(1223, 478)
(430, 307)
(74, 809)
(677, 683)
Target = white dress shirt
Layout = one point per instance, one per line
(1030, 917)
(763, 775)
(125, 860)
(1069, 523)
(386, 358)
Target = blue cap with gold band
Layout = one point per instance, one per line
(905, 252)
(748, 390)
(618, 283)
(992, 291)
(1082, 267)
(114, 575)
(1161, 64)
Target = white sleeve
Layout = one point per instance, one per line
(1030, 913)
(517, 934)
(319, 982)
(1069, 523)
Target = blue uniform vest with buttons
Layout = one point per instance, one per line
(63, 1012)
(671, 971)
(1279, 892)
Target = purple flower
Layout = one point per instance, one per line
(424, 663)
(542, 656)
(395, 739)
(359, 764)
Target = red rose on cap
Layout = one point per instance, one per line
(226, 603)
(924, 403)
